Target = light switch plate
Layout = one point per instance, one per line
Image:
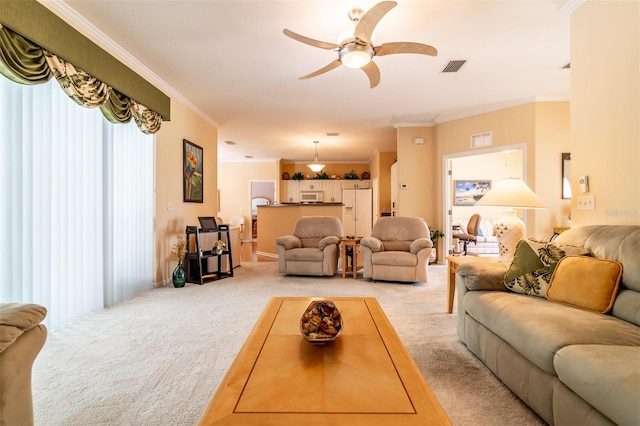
(586, 202)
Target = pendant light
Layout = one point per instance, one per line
(315, 165)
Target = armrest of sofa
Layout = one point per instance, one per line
(16, 319)
(372, 243)
(289, 242)
(419, 244)
(327, 241)
(483, 275)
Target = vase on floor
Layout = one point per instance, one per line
(179, 276)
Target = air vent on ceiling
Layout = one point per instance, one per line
(248, 156)
(568, 66)
(454, 66)
(230, 142)
(333, 134)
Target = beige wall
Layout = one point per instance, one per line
(169, 225)
(543, 128)
(234, 180)
(416, 168)
(380, 166)
(605, 110)
(552, 129)
(383, 178)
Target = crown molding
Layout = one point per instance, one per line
(483, 109)
(71, 17)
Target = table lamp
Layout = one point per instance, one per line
(514, 194)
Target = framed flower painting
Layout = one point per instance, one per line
(192, 175)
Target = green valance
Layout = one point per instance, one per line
(45, 29)
(24, 62)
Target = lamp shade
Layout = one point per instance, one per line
(511, 192)
(315, 164)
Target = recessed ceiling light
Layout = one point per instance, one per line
(230, 142)
(248, 156)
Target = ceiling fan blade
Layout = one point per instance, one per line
(332, 65)
(369, 20)
(373, 72)
(310, 41)
(405, 47)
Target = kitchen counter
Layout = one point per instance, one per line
(278, 219)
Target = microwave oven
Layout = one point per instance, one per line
(311, 196)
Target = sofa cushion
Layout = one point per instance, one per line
(585, 282)
(533, 264)
(538, 328)
(305, 254)
(394, 258)
(611, 385)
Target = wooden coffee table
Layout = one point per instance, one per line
(365, 377)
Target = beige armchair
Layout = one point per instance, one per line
(312, 249)
(397, 250)
(21, 339)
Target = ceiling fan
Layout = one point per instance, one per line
(357, 50)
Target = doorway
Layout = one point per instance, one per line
(490, 164)
(262, 193)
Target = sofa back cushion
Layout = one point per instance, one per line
(617, 242)
(400, 228)
(396, 245)
(315, 228)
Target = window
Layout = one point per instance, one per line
(77, 204)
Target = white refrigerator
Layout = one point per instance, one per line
(357, 212)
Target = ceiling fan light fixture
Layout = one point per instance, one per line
(354, 55)
(315, 165)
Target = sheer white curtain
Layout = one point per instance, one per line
(77, 211)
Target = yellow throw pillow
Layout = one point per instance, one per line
(585, 282)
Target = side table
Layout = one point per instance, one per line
(454, 262)
(354, 243)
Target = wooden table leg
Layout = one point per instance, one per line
(343, 250)
(451, 286)
(354, 264)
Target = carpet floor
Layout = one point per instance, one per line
(157, 359)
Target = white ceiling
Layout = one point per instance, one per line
(230, 62)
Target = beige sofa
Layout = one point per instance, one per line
(397, 250)
(21, 339)
(571, 366)
(312, 248)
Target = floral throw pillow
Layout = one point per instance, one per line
(533, 264)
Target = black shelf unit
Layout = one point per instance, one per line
(197, 261)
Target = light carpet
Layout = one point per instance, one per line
(157, 359)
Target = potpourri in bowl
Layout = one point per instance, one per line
(321, 322)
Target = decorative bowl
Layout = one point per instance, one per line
(321, 322)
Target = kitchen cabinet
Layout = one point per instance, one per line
(332, 191)
(290, 191)
(311, 185)
(355, 184)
